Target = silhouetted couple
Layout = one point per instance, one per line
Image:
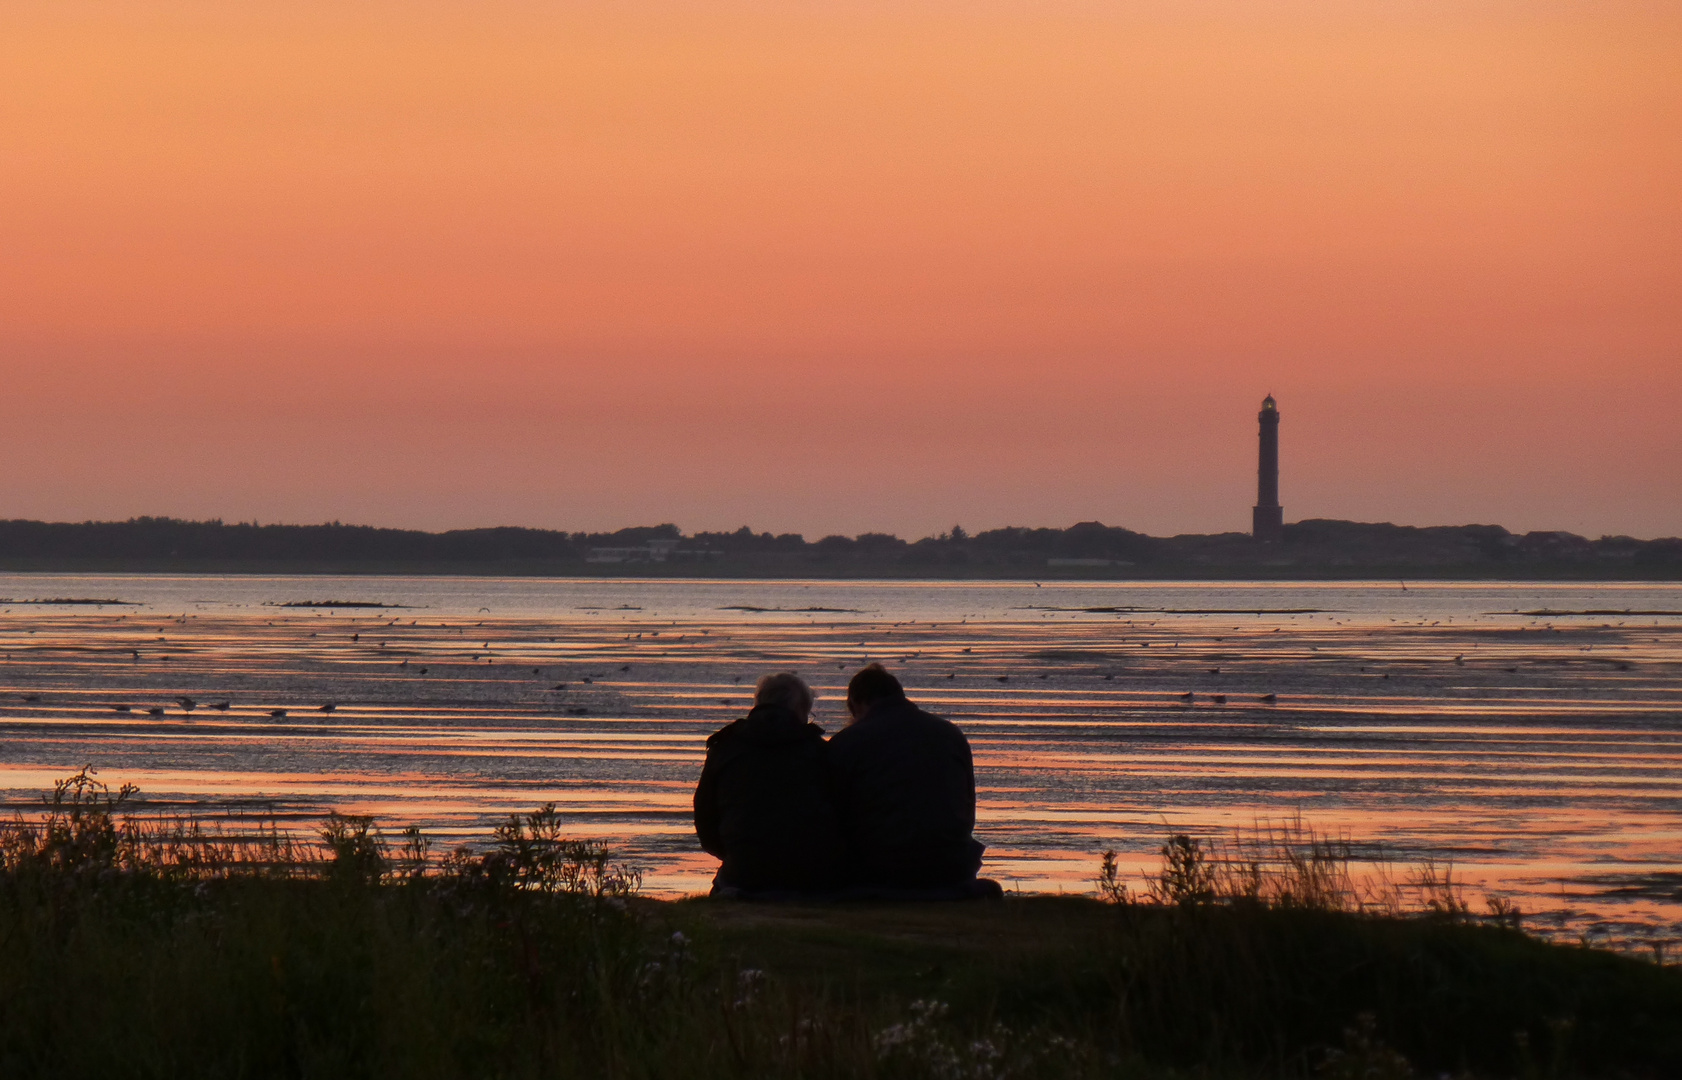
(884, 808)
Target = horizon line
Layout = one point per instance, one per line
(682, 534)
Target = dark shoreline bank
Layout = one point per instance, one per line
(169, 947)
(347, 977)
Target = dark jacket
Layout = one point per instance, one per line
(905, 786)
(765, 807)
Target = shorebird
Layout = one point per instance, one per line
(1219, 699)
(1188, 695)
(187, 703)
(223, 706)
(122, 708)
(32, 697)
(559, 686)
(277, 713)
(156, 710)
(1214, 671)
(1271, 698)
(1004, 678)
(329, 707)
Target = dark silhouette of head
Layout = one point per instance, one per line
(872, 686)
(785, 690)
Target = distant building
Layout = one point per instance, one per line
(653, 551)
(1268, 524)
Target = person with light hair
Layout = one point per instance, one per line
(765, 805)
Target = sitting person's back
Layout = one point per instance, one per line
(764, 804)
(905, 786)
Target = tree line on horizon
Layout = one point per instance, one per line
(1325, 543)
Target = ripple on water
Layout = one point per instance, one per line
(1538, 753)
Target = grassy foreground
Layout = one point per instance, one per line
(171, 950)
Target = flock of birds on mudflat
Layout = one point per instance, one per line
(187, 705)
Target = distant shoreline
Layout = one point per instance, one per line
(1314, 550)
(585, 571)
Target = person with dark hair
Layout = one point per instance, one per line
(905, 787)
(764, 805)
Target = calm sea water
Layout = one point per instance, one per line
(1529, 734)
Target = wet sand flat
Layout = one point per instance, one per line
(1529, 734)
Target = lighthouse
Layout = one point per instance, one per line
(1268, 525)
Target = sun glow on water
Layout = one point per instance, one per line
(1541, 755)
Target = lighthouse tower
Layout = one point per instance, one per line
(1268, 525)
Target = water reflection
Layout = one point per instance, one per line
(1539, 753)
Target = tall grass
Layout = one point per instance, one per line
(148, 945)
(87, 832)
(1291, 865)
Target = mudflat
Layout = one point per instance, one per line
(1529, 735)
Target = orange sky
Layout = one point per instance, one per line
(835, 267)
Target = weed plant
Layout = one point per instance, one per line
(150, 946)
(1291, 865)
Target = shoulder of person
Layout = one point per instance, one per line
(927, 717)
(845, 735)
(725, 735)
(944, 725)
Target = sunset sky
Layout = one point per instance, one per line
(826, 267)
